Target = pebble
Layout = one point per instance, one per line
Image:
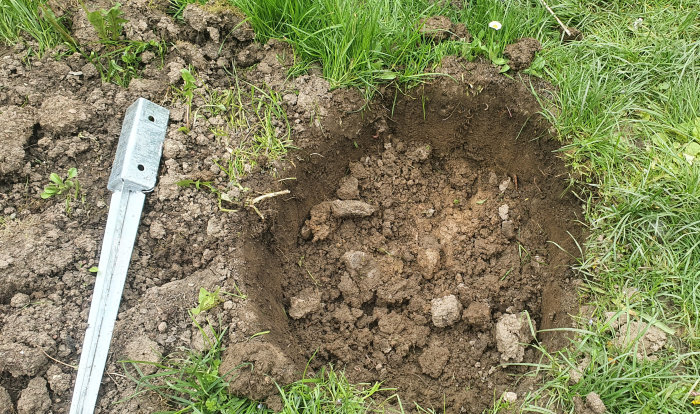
(162, 326)
(503, 211)
(510, 397)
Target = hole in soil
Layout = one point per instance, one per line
(411, 251)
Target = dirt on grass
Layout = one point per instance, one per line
(425, 239)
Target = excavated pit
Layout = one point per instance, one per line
(421, 242)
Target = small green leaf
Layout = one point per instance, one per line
(481, 201)
(692, 148)
(46, 195)
(387, 75)
(499, 61)
(72, 172)
(55, 178)
(504, 69)
(93, 269)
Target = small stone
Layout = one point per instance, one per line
(429, 260)
(504, 185)
(503, 211)
(35, 398)
(19, 300)
(349, 189)
(508, 229)
(305, 232)
(162, 327)
(445, 311)
(157, 231)
(351, 208)
(594, 402)
(509, 397)
(228, 305)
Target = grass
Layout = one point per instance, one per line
(191, 382)
(628, 111)
(364, 44)
(20, 21)
(117, 58)
(254, 123)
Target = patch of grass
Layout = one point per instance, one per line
(254, 123)
(330, 392)
(21, 20)
(627, 108)
(190, 382)
(666, 383)
(368, 43)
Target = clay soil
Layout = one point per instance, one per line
(424, 238)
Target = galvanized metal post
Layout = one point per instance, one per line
(134, 173)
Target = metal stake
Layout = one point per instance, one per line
(134, 173)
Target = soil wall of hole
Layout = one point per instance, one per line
(470, 227)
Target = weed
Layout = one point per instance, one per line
(68, 187)
(108, 23)
(221, 198)
(208, 300)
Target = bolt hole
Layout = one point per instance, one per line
(151, 118)
(141, 167)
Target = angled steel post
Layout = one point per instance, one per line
(134, 173)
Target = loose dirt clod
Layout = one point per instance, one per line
(5, 401)
(351, 209)
(477, 314)
(348, 189)
(142, 348)
(594, 402)
(429, 261)
(61, 114)
(17, 128)
(255, 369)
(19, 359)
(512, 331)
(308, 301)
(433, 360)
(35, 398)
(522, 52)
(648, 338)
(59, 382)
(446, 311)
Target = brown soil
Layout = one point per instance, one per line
(416, 232)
